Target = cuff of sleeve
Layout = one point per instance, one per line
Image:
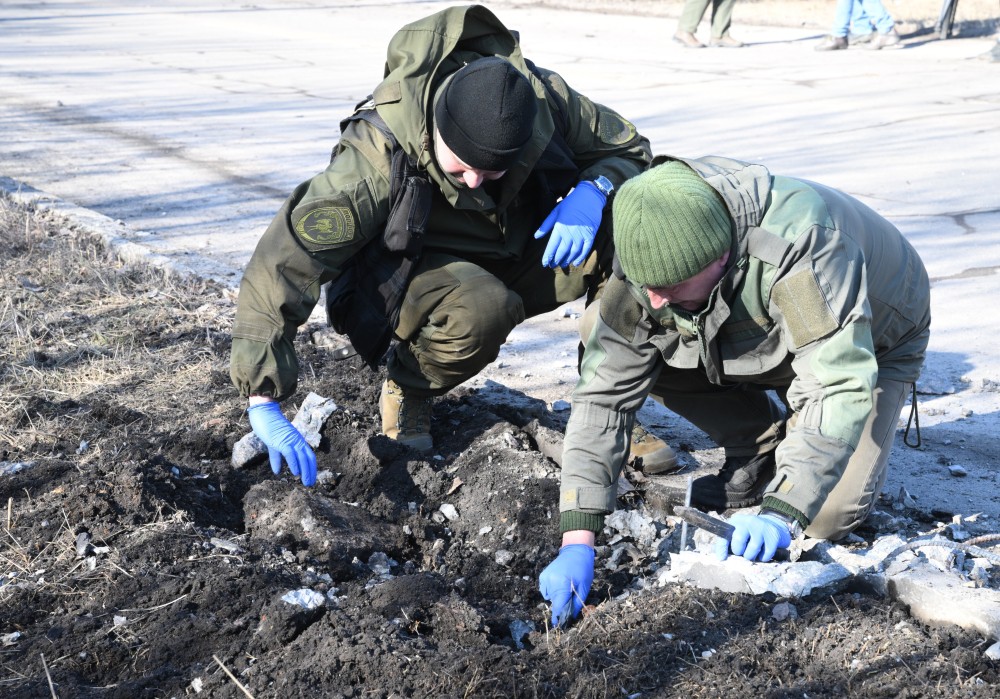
(773, 503)
(573, 520)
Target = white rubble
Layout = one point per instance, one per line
(308, 420)
(305, 598)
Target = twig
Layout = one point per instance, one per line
(159, 606)
(49, 677)
(122, 570)
(232, 676)
(10, 511)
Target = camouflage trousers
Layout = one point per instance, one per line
(457, 314)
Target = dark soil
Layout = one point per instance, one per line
(138, 562)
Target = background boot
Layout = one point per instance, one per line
(891, 40)
(407, 419)
(832, 43)
(740, 483)
(650, 454)
(688, 40)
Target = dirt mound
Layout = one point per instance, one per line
(138, 562)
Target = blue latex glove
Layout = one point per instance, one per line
(283, 440)
(573, 224)
(566, 582)
(757, 538)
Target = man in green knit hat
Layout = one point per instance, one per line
(785, 319)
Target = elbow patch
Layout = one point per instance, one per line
(802, 303)
(618, 309)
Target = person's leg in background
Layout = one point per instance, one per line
(722, 17)
(687, 25)
(885, 25)
(837, 40)
(862, 28)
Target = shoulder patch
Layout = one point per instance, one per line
(614, 130)
(327, 225)
(807, 314)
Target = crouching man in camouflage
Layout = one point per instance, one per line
(464, 196)
(732, 282)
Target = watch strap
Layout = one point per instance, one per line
(604, 184)
(794, 526)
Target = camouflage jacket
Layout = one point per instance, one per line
(331, 217)
(822, 296)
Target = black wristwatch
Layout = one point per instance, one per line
(604, 184)
(794, 526)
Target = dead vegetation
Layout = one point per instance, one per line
(82, 327)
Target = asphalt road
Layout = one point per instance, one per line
(191, 123)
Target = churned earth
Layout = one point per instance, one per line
(137, 561)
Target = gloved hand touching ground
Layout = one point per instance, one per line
(573, 224)
(566, 582)
(283, 440)
(757, 538)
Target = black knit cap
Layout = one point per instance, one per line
(486, 114)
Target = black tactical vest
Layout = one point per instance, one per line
(363, 302)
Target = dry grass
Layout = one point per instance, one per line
(83, 326)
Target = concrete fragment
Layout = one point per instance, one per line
(380, 564)
(9, 468)
(305, 598)
(979, 570)
(957, 471)
(858, 562)
(503, 557)
(939, 598)
(737, 574)
(309, 419)
(449, 511)
(83, 546)
(248, 448)
(519, 629)
(634, 524)
(993, 652)
(784, 610)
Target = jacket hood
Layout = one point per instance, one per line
(420, 57)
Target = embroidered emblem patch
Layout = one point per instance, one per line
(328, 225)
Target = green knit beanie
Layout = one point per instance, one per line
(669, 224)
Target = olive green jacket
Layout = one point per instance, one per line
(329, 219)
(822, 296)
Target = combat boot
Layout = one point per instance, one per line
(650, 454)
(740, 483)
(407, 419)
